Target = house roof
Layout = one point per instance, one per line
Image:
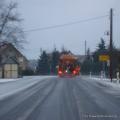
(10, 60)
(5, 45)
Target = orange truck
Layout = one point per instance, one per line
(68, 65)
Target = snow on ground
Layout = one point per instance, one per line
(11, 86)
(112, 87)
(3, 80)
(102, 78)
(7, 80)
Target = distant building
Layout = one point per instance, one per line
(12, 61)
(81, 58)
(32, 64)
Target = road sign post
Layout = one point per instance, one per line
(104, 59)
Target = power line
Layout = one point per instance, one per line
(66, 24)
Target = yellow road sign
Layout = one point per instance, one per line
(104, 58)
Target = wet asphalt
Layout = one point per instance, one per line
(75, 98)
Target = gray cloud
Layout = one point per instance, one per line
(43, 13)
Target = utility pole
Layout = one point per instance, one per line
(85, 48)
(111, 44)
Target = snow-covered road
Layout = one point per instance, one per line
(54, 98)
(12, 86)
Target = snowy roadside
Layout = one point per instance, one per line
(4, 80)
(103, 79)
(8, 80)
(107, 82)
(9, 87)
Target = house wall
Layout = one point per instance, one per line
(10, 71)
(10, 52)
(12, 61)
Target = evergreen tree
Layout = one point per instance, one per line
(43, 64)
(101, 50)
(86, 66)
(92, 63)
(88, 54)
(54, 61)
(65, 51)
(101, 45)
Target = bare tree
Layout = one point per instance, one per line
(10, 25)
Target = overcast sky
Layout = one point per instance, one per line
(44, 13)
